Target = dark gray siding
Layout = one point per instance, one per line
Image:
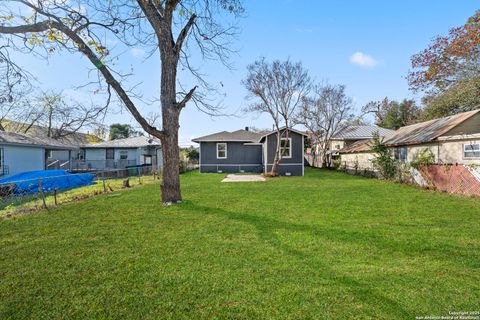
(293, 165)
(292, 170)
(297, 148)
(288, 163)
(240, 157)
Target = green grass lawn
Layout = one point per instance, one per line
(31, 203)
(323, 246)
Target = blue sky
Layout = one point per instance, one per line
(365, 45)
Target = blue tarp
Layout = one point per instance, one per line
(28, 182)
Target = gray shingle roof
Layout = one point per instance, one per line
(13, 138)
(73, 138)
(132, 142)
(239, 135)
(427, 131)
(361, 132)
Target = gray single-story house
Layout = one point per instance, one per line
(247, 151)
(119, 154)
(20, 153)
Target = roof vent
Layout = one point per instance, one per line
(247, 128)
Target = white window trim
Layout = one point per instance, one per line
(224, 143)
(289, 148)
(464, 151)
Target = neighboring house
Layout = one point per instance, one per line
(71, 138)
(452, 140)
(357, 155)
(20, 152)
(352, 134)
(55, 157)
(247, 151)
(347, 136)
(119, 154)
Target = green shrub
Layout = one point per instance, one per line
(383, 161)
(336, 163)
(424, 158)
(403, 172)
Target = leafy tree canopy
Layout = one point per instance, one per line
(448, 70)
(448, 59)
(463, 96)
(122, 131)
(391, 114)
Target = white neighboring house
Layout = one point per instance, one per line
(20, 153)
(346, 137)
(119, 154)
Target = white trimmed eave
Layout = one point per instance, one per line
(474, 136)
(44, 146)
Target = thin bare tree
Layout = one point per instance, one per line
(277, 88)
(59, 117)
(176, 30)
(324, 114)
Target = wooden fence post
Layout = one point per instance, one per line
(40, 188)
(55, 196)
(138, 172)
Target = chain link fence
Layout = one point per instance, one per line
(362, 168)
(24, 196)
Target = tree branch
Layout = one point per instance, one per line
(187, 97)
(85, 49)
(183, 35)
(28, 28)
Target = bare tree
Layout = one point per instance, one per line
(178, 29)
(378, 108)
(14, 85)
(59, 117)
(324, 114)
(277, 88)
(12, 77)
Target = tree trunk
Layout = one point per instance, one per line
(313, 152)
(170, 187)
(171, 154)
(277, 158)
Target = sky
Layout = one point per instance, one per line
(365, 45)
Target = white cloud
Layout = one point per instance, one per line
(364, 60)
(136, 52)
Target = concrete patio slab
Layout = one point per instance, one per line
(243, 178)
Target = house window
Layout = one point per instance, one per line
(400, 154)
(286, 147)
(221, 150)
(80, 155)
(123, 155)
(110, 154)
(147, 159)
(471, 150)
